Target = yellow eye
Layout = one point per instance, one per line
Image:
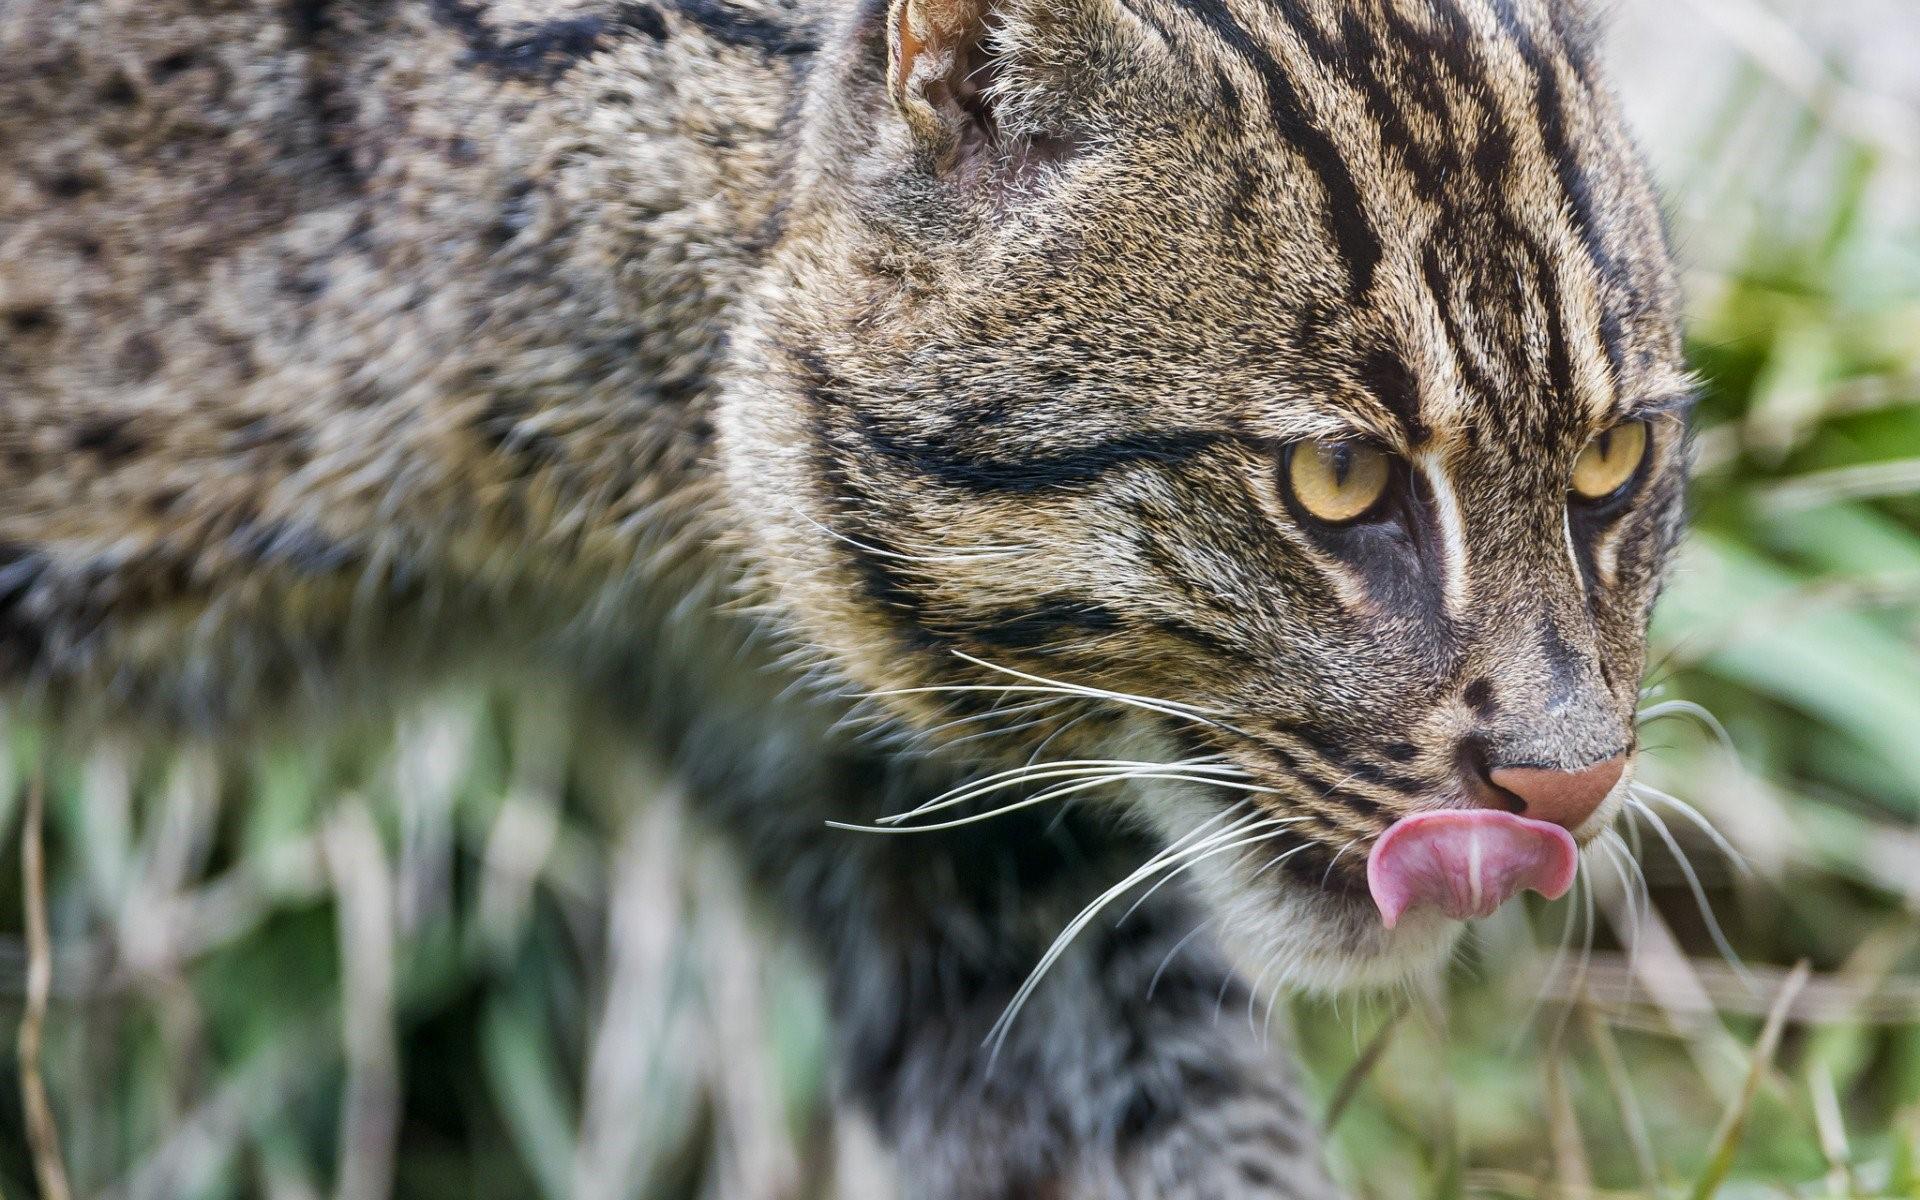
(1338, 481)
(1609, 460)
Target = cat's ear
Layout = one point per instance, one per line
(940, 72)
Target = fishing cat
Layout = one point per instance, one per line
(1239, 440)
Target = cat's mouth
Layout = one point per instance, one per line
(1328, 918)
(1467, 862)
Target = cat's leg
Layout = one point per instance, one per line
(1138, 1067)
(1119, 1079)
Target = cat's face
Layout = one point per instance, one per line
(1305, 373)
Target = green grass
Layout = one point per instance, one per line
(461, 959)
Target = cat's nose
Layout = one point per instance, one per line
(1566, 798)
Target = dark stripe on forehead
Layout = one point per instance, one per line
(1559, 354)
(1359, 245)
(1467, 363)
(1549, 105)
(1550, 116)
(1389, 381)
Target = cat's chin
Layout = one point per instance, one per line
(1287, 934)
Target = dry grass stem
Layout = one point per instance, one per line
(1621, 1085)
(364, 887)
(1357, 1074)
(1825, 1000)
(1726, 1139)
(1572, 1175)
(43, 1132)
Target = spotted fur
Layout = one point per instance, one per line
(959, 343)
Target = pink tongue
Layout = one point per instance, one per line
(1466, 862)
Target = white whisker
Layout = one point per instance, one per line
(1552, 973)
(1076, 692)
(1688, 709)
(1087, 689)
(1185, 849)
(1692, 814)
(967, 554)
(1043, 797)
(1033, 772)
(1178, 946)
(1693, 884)
(1167, 878)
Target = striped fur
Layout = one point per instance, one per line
(344, 342)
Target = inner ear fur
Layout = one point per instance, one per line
(938, 71)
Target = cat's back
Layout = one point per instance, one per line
(299, 288)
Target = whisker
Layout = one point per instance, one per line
(1033, 772)
(1699, 892)
(1025, 706)
(1554, 966)
(1063, 769)
(1049, 739)
(1076, 692)
(1635, 879)
(1606, 850)
(1697, 713)
(1219, 843)
(1087, 689)
(1166, 962)
(1043, 797)
(1335, 860)
(1649, 792)
(1167, 878)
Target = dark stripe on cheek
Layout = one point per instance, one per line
(1040, 626)
(974, 471)
(864, 550)
(1359, 246)
(1329, 747)
(1192, 634)
(870, 558)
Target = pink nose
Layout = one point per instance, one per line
(1565, 798)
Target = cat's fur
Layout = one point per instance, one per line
(344, 341)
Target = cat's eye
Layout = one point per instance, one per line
(1337, 481)
(1609, 461)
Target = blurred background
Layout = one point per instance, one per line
(483, 955)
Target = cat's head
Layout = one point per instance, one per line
(1302, 375)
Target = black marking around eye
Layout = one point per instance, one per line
(1346, 215)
